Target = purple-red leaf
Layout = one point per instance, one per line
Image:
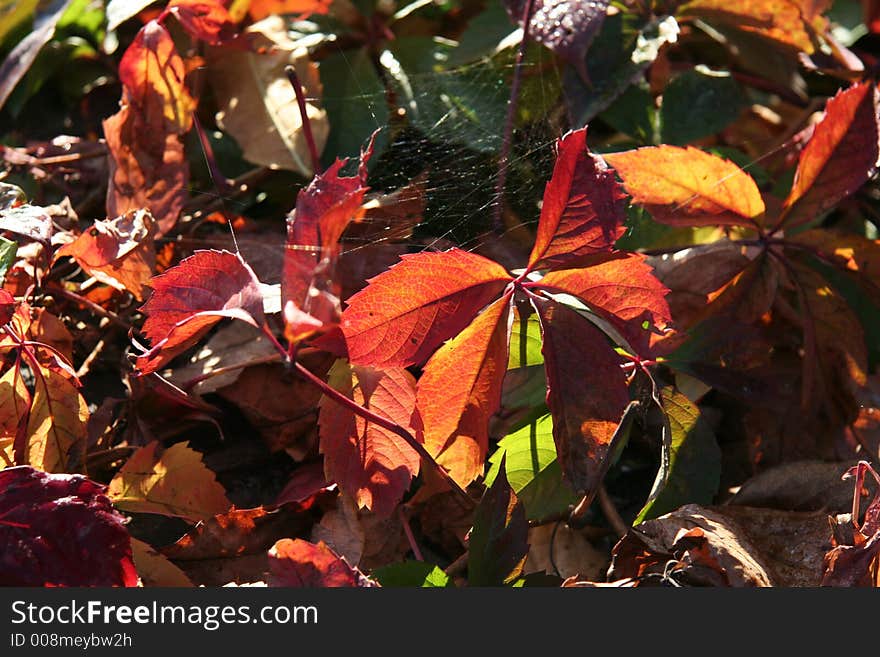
(583, 209)
(60, 530)
(370, 464)
(190, 298)
(408, 311)
(460, 389)
(622, 291)
(841, 155)
(586, 392)
(300, 564)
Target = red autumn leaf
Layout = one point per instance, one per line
(499, 541)
(300, 564)
(466, 373)
(586, 392)
(259, 9)
(408, 311)
(152, 75)
(60, 530)
(323, 210)
(567, 27)
(622, 291)
(207, 20)
(7, 307)
(190, 298)
(583, 211)
(841, 155)
(370, 464)
(687, 187)
(118, 252)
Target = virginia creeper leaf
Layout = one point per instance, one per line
(60, 530)
(623, 291)
(7, 306)
(154, 568)
(300, 564)
(259, 9)
(856, 254)
(15, 403)
(207, 20)
(412, 574)
(408, 311)
(688, 187)
(694, 460)
(118, 252)
(174, 482)
(533, 469)
(583, 211)
(567, 27)
(460, 389)
(56, 429)
(8, 252)
(498, 543)
(370, 464)
(190, 298)
(586, 392)
(842, 154)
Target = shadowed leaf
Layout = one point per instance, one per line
(300, 564)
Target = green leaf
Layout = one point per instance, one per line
(482, 35)
(8, 251)
(354, 98)
(694, 459)
(13, 13)
(525, 343)
(532, 470)
(624, 48)
(499, 539)
(417, 574)
(465, 105)
(633, 114)
(699, 103)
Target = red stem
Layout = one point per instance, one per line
(393, 427)
(504, 156)
(306, 123)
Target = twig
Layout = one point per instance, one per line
(196, 380)
(306, 122)
(87, 363)
(504, 156)
(458, 566)
(611, 513)
(95, 308)
(417, 553)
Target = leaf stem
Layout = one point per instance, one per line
(385, 423)
(290, 71)
(504, 156)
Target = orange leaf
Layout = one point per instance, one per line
(118, 252)
(259, 9)
(790, 22)
(583, 210)
(300, 564)
(370, 464)
(15, 403)
(687, 187)
(841, 155)
(174, 482)
(586, 392)
(623, 291)
(460, 389)
(190, 298)
(207, 20)
(408, 311)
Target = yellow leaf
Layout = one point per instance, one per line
(56, 429)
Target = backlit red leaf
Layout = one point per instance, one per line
(300, 564)
(370, 464)
(7, 307)
(60, 530)
(622, 291)
(207, 20)
(408, 311)
(583, 210)
(193, 296)
(586, 392)
(841, 155)
(118, 252)
(460, 389)
(259, 9)
(688, 187)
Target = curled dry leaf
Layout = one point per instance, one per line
(173, 482)
(60, 530)
(118, 252)
(257, 103)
